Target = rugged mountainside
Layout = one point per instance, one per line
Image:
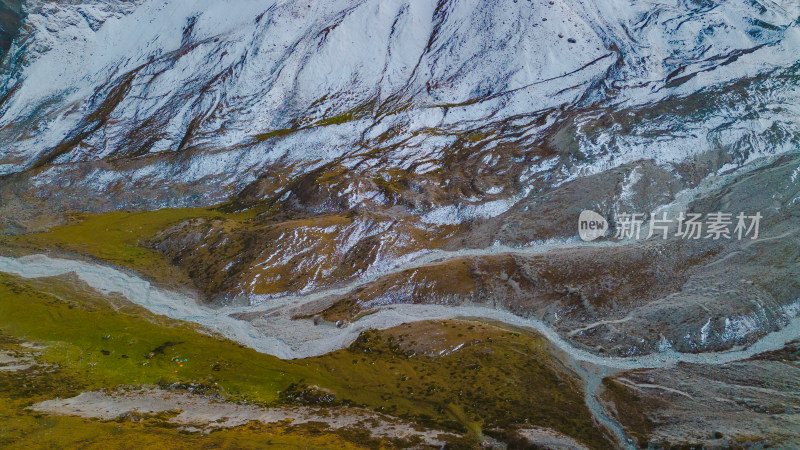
(210, 96)
(373, 153)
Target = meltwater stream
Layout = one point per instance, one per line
(286, 338)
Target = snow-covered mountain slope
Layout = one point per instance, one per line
(214, 93)
(372, 158)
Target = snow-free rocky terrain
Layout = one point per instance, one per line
(403, 179)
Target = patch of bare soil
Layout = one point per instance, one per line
(200, 413)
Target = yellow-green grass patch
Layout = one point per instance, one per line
(499, 380)
(117, 237)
